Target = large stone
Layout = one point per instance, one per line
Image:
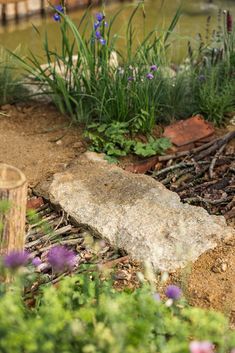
(136, 213)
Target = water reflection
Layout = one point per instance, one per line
(158, 15)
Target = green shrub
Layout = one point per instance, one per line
(84, 314)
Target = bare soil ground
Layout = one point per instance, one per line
(28, 135)
(30, 140)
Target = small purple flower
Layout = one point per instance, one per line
(201, 347)
(57, 16)
(96, 25)
(61, 259)
(16, 259)
(36, 261)
(153, 68)
(149, 76)
(98, 35)
(173, 292)
(99, 16)
(156, 297)
(130, 79)
(102, 41)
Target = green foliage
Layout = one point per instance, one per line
(93, 82)
(11, 87)
(216, 99)
(84, 314)
(212, 64)
(113, 139)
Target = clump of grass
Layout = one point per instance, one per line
(213, 66)
(11, 86)
(91, 80)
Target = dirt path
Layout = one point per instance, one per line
(26, 142)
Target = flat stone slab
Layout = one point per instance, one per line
(136, 213)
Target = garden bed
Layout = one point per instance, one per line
(33, 133)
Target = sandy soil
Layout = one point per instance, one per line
(28, 137)
(27, 141)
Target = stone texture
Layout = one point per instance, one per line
(136, 213)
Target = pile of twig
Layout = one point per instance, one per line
(203, 176)
(50, 227)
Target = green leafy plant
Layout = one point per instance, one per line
(85, 314)
(113, 139)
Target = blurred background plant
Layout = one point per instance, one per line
(11, 85)
(213, 65)
(86, 314)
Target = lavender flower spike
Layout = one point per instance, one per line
(173, 292)
(16, 259)
(61, 259)
(98, 35)
(201, 347)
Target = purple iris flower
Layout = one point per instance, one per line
(99, 16)
(96, 25)
(149, 76)
(153, 68)
(57, 16)
(173, 292)
(102, 41)
(98, 35)
(16, 259)
(61, 259)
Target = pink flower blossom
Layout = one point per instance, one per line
(201, 347)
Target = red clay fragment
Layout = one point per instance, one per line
(35, 203)
(188, 131)
(142, 166)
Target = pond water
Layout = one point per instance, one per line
(192, 21)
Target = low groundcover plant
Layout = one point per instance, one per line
(85, 314)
